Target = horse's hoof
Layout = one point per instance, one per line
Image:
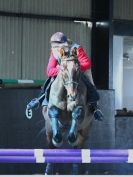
(49, 169)
(75, 169)
(57, 140)
(72, 138)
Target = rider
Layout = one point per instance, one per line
(59, 40)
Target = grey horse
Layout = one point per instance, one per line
(67, 110)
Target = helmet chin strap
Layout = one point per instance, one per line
(56, 53)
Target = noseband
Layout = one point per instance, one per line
(71, 82)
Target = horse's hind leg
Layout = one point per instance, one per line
(82, 136)
(75, 169)
(50, 166)
(79, 144)
(49, 169)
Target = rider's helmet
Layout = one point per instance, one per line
(58, 42)
(58, 37)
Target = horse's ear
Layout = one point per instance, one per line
(62, 52)
(74, 52)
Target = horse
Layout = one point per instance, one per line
(67, 111)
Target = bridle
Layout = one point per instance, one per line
(71, 58)
(69, 83)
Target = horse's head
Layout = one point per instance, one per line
(70, 71)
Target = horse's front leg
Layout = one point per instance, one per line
(76, 115)
(54, 115)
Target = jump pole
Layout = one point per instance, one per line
(66, 156)
(66, 152)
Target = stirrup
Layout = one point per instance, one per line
(34, 103)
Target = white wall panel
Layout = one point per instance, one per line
(10, 5)
(76, 8)
(118, 71)
(36, 47)
(71, 8)
(10, 47)
(24, 43)
(123, 9)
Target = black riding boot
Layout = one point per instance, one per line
(96, 111)
(46, 99)
(46, 89)
(93, 97)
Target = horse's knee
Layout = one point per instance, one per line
(78, 112)
(53, 112)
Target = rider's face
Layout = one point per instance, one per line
(56, 49)
(56, 52)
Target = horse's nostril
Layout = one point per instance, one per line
(71, 98)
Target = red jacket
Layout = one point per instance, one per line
(53, 67)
